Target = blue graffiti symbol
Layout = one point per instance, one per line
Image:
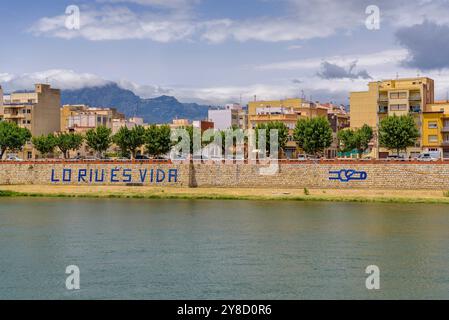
(348, 175)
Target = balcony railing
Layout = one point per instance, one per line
(382, 110)
(415, 109)
(274, 117)
(415, 97)
(13, 116)
(445, 129)
(445, 143)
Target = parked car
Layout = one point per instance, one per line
(13, 158)
(396, 157)
(302, 157)
(142, 157)
(426, 157)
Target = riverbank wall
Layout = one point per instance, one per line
(322, 175)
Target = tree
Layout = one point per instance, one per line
(313, 135)
(398, 132)
(157, 140)
(45, 144)
(69, 141)
(12, 137)
(99, 139)
(130, 140)
(357, 139)
(274, 125)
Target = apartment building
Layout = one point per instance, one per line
(287, 111)
(231, 116)
(435, 128)
(412, 96)
(80, 118)
(38, 111)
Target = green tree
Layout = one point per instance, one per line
(45, 144)
(398, 132)
(69, 141)
(158, 141)
(313, 135)
(12, 137)
(99, 139)
(274, 125)
(357, 139)
(129, 140)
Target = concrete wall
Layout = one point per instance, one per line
(370, 175)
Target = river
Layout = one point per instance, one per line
(181, 249)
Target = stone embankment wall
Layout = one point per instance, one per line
(329, 174)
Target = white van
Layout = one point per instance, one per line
(429, 156)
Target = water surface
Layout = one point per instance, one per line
(180, 249)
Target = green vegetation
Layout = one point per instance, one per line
(446, 194)
(306, 192)
(45, 144)
(357, 139)
(99, 139)
(274, 125)
(222, 196)
(158, 140)
(129, 140)
(69, 141)
(12, 137)
(398, 133)
(313, 135)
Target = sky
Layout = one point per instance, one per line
(221, 51)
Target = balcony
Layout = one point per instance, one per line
(415, 109)
(382, 110)
(445, 143)
(13, 116)
(445, 129)
(274, 117)
(415, 97)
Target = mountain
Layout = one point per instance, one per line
(156, 110)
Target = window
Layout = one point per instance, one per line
(28, 121)
(433, 125)
(28, 110)
(24, 111)
(398, 107)
(29, 155)
(433, 139)
(398, 95)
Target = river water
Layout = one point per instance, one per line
(181, 249)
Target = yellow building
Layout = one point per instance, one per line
(389, 97)
(38, 111)
(81, 118)
(287, 111)
(436, 128)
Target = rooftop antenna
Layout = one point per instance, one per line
(417, 74)
(397, 75)
(255, 98)
(240, 99)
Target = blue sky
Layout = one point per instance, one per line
(213, 51)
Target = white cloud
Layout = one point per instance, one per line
(390, 57)
(118, 23)
(302, 20)
(58, 78)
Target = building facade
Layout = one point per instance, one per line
(410, 96)
(232, 116)
(38, 111)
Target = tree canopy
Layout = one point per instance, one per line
(129, 140)
(355, 139)
(313, 135)
(45, 144)
(274, 125)
(12, 137)
(398, 132)
(69, 141)
(158, 140)
(99, 139)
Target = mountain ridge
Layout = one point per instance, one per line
(161, 109)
